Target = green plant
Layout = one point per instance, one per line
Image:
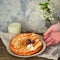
(48, 10)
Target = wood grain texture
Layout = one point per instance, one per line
(4, 55)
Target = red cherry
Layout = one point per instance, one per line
(33, 41)
(28, 41)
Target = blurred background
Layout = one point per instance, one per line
(27, 12)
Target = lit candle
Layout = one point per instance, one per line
(14, 28)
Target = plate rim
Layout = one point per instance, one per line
(38, 53)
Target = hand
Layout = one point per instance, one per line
(53, 28)
(54, 38)
(49, 34)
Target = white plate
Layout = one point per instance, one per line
(44, 46)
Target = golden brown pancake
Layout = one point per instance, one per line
(26, 44)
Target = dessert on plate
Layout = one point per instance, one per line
(26, 44)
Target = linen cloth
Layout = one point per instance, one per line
(51, 52)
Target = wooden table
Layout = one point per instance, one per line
(4, 55)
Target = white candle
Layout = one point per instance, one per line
(14, 28)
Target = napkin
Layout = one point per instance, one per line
(51, 52)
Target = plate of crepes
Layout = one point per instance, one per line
(26, 45)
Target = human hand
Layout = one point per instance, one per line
(54, 38)
(53, 28)
(52, 34)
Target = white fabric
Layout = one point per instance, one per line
(52, 52)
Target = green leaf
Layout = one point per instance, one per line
(46, 19)
(48, 10)
(44, 4)
(48, 0)
(41, 4)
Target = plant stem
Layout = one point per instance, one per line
(50, 22)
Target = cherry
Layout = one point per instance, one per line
(28, 41)
(33, 41)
